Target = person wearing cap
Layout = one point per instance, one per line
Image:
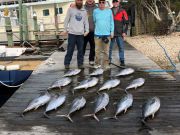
(77, 26)
(90, 6)
(120, 30)
(104, 30)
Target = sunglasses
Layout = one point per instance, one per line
(102, 2)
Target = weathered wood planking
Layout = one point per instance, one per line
(157, 84)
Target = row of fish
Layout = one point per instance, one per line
(149, 108)
(99, 71)
(90, 82)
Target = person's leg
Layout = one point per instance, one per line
(120, 43)
(80, 56)
(70, 49)
(98, 50)
(86, 40)
(106, 55)
(92, 47)
(111, 49)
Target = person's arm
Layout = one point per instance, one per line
(125, 23)
(66, 21)
(111, 24)
(86, 25)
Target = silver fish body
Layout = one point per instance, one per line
(126, 71)
(61, 83)
(100, 104)
(77, 104)
(55, 102)
(124, 104)
(97, 72)
(136, 83)
(150, 107)
(110, 84)
(37, 102)
(90, 82)
(72, 72)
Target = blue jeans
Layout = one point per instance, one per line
(73, 40)
(120, 43)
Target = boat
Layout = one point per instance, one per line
(10, 81)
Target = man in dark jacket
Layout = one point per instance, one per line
(120, 30)
(90, 6)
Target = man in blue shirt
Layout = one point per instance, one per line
(104, 30)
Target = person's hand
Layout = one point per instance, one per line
(86, 33)
(64, 33)
(112, 35)
(123, 35)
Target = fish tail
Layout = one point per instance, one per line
(144, 125)
(45, 115)
(67, 116)
(92, 115)
(126, 91)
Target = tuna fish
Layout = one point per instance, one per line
(77, 104)
(72, 72)
(126, 71)
(60, 83)
(135, 83)
(100, 104)
(90, 82)
(55, 102)
(125, 102)
(37, 102)
(110, 84)
(150, 107)
(97, 72)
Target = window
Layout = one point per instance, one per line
(59, 10)
(46, 12)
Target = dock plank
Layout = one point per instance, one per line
(163, 85)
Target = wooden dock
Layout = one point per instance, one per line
(163, 85)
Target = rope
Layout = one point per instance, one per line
(169, 59)
(15, 86)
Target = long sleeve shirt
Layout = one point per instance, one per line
(76, 21)
(104, 23)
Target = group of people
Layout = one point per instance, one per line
(98, 25)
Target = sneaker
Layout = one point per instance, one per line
(107, 68)
(122, 65)
(61, 49)
(91, 63)
(80, 66)
(66, 66)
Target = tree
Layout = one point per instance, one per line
(153, 7)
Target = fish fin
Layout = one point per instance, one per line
(152, 116)
(36, 107)
(92, 115)
(125, 111)
(104, 108)
(126, 91)
(114, 117)
(45, 115)
(98, 92)
(67, 116)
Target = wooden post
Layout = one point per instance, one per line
(9, 31)
(35, 28)
(25, 23)
(56, 24)
(8, 27)
(20, 22)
